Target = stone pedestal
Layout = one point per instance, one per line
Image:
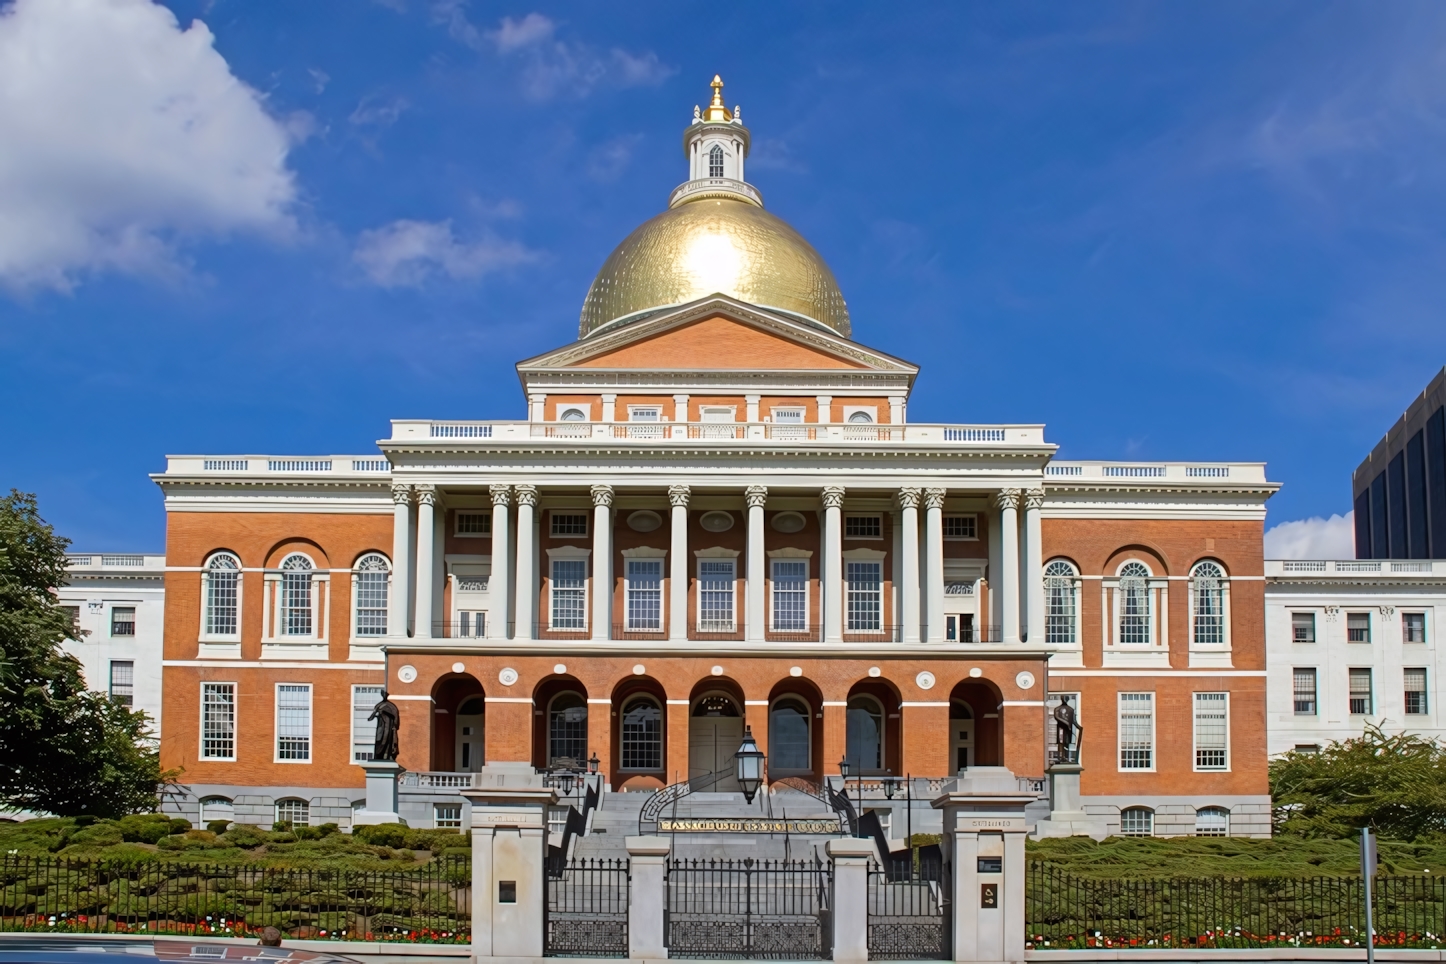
(648, 860)
(509, 861)
(1067, 817)
(383, 776)
(850, 856)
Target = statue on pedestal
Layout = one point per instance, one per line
(1067, 732)
(389, 723)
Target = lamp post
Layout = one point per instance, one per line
(565, 781)
(843, 772)
(592, 764)
(749, 765)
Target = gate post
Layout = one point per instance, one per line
(850, 856)
(509, 850)
(983, 849)
(647, 897)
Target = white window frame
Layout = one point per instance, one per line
(355, 722)
(1120, 732)
(437, 818)
(1425, 690)
(208, 637)
(569, 554)
(457, 523)
(961, 515)
(276, 810)
(1157, 650)
(584, 413)
(1351, 671)
(717, 160)
(110, 620)
(1224, 644)
(871, 411)
(1137, 809)
(789, 555)
(877, 516)
(1196, 705)
(1425, 633)
(310, 723)
(552, 515)
(637, 413)
(719, 414)
(1074, 600)
(865, 557)
(1213, 809)
(623, 706)
(1314, 691)
(1370, 626)
(715, 560)
(320, 606)
(235, 720)
(644, 555)
(1314, 626)
(790, 410)
(356, 572)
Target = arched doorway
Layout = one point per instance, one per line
(715, 730)
(560, 724)
(961, 736)
(471, 745)
(455, 696)
(975, 736)
(640, 735)
(871, 728)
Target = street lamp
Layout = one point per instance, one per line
(592, 764)
(843, 767)
(891, 785)
(749, 762)
(564, 780)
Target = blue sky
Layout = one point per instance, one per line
(1168, 232)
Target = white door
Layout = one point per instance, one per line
(961, 743)
(469, 757)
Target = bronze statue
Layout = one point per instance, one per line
(1067, 732)
(389, 722)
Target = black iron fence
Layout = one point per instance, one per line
(732, 909)
(907, 918)
(430, 903)
(587, 910)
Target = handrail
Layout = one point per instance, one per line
(673, 792)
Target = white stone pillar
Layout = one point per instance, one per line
(609, 408)
(833, 575)
(751, 401)
(537, 407)
(426, 555)
(509, 872)
(825, 409)
(755, 616)
(498, 585)
(678, 563)
(401, 591)
(680, 408)
(1033, 574)
(647, 866)
(1008, 502)
(526, 608)
(909, 564)
(896, 410)
(851, 857)
(602, 561)
(934, 560)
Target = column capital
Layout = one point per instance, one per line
(501, 494)
(1033, 498)
(526, 494)
(427, 495)
(909, 497)
(833, 496)
(934, 498)
(401, 493)
(678, 496)
(757, 496)
(602, 495)
(1007, 499)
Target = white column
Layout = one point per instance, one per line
(678, 563)
(756, 620)
(1033, 574)
(602, 561)
(934, 560)
(537, 407)
(896, 410)
(680, 408)
(751, 401)
(498, 584)
(401, 594)
(909, 563)
(825, 409)
(851, 858)
(526, 609)
(609, 408)
(426, 556)
(648, 895)
(1008, 502)
(832, 575)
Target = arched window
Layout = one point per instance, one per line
(715, 161)
(1134, 603)
(861, 418)
(222, 595)
(1207, 604)
(217, 808)
(1061, 603)
(294, 812)
(1212, 822)
(567, 731)
(370, 580)
(1137, 822)
(864, 735)
(296, 575)
(642, 735)
(788, 737)
(573, 415)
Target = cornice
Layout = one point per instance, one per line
(1172, 488)
(1306, 580)
(653, 451)
(662, 648)
(219, 480)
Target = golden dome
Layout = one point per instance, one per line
(714, 245)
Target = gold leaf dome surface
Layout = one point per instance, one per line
(714, 246)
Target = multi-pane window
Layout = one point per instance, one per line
(1413, 627)
(1137, 731)
(123, 620)
(1302, 627)
(371, 577)
(1137, 822)
(296, 596)
(789, 736)
(567, 731)
(1061, 612)
(790, 595)
(645, 594)
(569, 523)
(1360, 692)
(1358, 627)
(471, 623)
(642, 735)
(72, 616)
(1415, 678)
(1212, 731)
(715, 161)
(863, 527)
(1207, 597)
(645, 413)
(787, 416)
(715, 595)
(293, 721)
(864, 593)
(363, 731)
(123, 681)
(474, 523)
(223, 584)
(218, 721)
(1305, 691)
(961, 527)
(293, 811)
(1134, 603)
(1212, 822)
(447, 816)
(569, 593)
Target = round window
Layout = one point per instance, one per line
(788, 522)
(861, 417)
(572, 415)
(717, 521)
(644, 520)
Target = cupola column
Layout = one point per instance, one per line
(755, 621)
(602, 562)
(497, 583)
(526, 608)
(401, 594)
(934, 559)
(1008, 502)
(678, 564)
(909, 553)
(833, 576)
(426, 552)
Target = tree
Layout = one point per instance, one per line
(63, 748)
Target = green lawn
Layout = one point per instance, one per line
(1138, 857)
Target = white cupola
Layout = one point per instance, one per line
(716, 144)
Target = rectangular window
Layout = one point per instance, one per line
(569, 593)
(363, 731)
(1302, 627)
(1305, 691)
(473, 524)
(472, 624)
(218, 721)
(296, 602)
(123, 681)
(715, 595)
(787, 416)
(448, 816)
(1134, 602)
(1212, 731)
(1137, 731)
(1358, 627)
(1361, 702)
(1413, 627)
(1307, 748)
(645, 594)
(293, 722)
(123, 621)
(863, 527)
(644, 413)
(72, 614)
(569, 523)
(864, 593)
(961, 527)
(790, 595)
(1416, 690)
(297, 813)
(370, 585)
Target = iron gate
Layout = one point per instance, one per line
(586, 914)
(907, 918)
(730, 909)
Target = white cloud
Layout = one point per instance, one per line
(513, 34)
(373, 112)
(1314, 538)
(408, 253)
(123, 134)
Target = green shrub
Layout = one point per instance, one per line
(383, 835)
(145, 827)
(217, 826)
(102, 833)
(245, 836)
(179, 825)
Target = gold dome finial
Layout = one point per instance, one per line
(716, 111)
